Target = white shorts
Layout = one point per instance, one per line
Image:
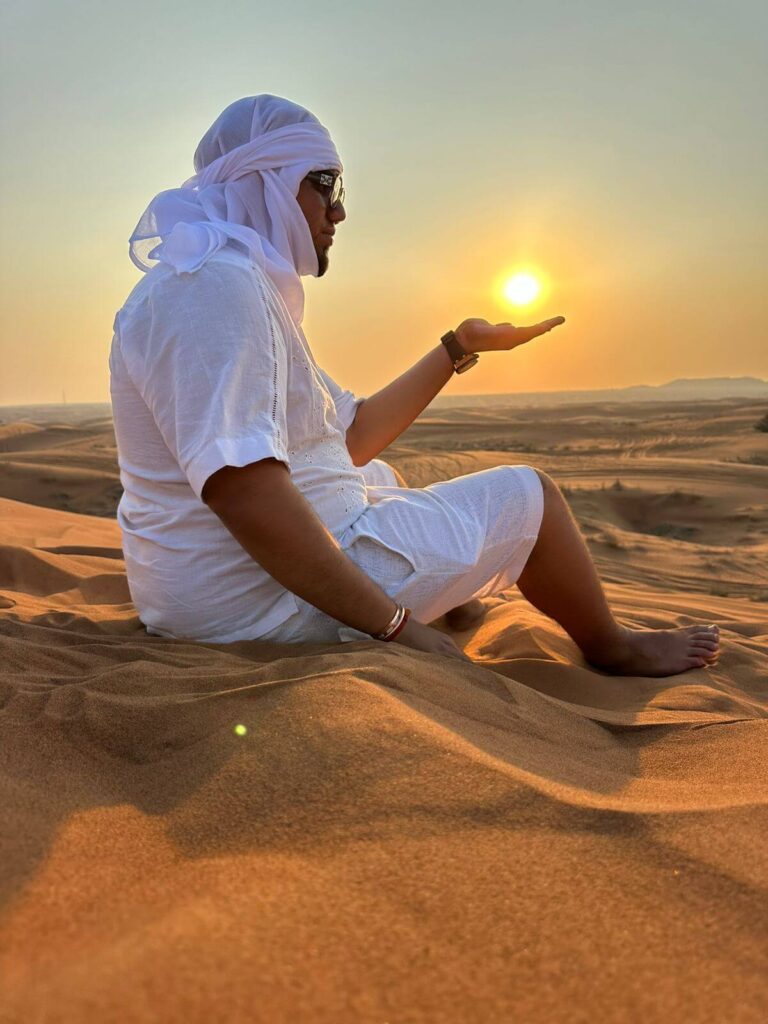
(433, 548)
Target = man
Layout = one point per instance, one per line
(254, 506)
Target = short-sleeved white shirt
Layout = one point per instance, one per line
(208, 370)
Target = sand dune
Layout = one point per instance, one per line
(278, 833)
(61, 466)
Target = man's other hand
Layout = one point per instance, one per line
(424, 638)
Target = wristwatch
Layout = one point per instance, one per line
(461, 360)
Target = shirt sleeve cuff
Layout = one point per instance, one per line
(346, 409)
(229, 451)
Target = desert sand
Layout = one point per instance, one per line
(364, 834)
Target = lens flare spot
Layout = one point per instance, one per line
(240, 730)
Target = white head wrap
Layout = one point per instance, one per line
(249, 165)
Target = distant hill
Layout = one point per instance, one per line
(684, 389)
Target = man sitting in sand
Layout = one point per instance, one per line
(254, 506)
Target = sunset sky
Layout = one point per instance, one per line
(619, 152)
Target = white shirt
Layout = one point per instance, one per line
(208, 370)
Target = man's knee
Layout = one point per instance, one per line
(550, 488)
(546, 480)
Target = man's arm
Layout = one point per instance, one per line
(262, 508)
(384, 416)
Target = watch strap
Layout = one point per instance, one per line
(461, 359)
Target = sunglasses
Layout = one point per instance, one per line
(328, 185)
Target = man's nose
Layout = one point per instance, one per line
(337, 213)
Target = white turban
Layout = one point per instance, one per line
(249, 166)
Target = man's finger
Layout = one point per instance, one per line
(546, 325)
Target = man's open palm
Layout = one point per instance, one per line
(481, 336)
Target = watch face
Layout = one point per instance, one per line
(467, 362)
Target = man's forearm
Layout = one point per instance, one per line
(384, 416)
(262, 508)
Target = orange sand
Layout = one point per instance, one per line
(395, 837)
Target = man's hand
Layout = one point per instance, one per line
(424, 638)
(482, 336)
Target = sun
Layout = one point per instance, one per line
(521, 289)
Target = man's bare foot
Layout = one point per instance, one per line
(464, 616)
(657, 652)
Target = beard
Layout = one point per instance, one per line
(322, 261)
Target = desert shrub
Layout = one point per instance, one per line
(617, 485)
(612, 541)
(762, 424)
(675, 531)
(687, 497)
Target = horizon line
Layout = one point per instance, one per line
(476, 394)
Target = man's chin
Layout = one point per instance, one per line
(322, 262)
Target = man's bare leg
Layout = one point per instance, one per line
(560, 580)
(463, 616)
